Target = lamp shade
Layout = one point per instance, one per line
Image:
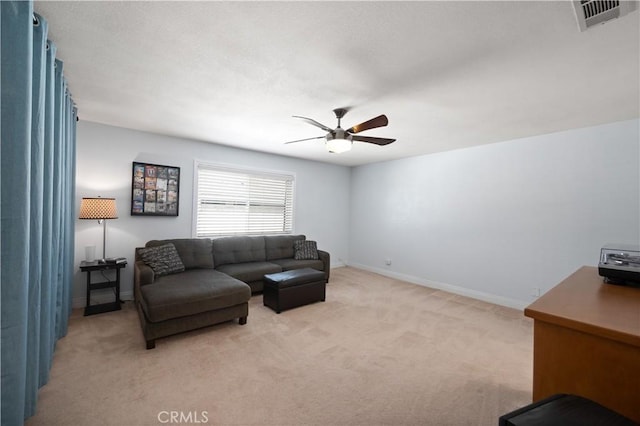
(338, 146)
(98, 208)
(338, 141)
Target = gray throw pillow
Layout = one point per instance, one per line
(194, 252)
(163, 259)
(305, 250)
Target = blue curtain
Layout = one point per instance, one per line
(37, 207)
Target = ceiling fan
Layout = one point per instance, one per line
(339, 140)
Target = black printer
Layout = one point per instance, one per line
(620, 264)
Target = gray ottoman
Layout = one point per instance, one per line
(290, 289)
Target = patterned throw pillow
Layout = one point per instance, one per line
(163, 259)
(305, 250)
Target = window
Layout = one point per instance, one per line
(235, 201)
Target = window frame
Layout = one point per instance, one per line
(234, 168)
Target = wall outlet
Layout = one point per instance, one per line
(387, 262)
(535, 292)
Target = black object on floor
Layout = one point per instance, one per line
(290, 289)
(564, 410)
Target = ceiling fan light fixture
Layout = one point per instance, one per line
(339, 140)
(339, 145)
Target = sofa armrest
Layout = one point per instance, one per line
(326, 261)
(142, 274)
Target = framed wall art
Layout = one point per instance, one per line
(155, 190)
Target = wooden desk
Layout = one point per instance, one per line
(587, 342)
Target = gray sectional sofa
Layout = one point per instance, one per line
(218, 279)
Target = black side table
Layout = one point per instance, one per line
(89, 267)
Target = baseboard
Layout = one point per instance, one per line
(80, 302)
(462, 291)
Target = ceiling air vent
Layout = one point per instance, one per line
(593, 12)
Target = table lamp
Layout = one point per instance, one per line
(100, 209)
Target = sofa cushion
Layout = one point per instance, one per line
(249, 271)
(162, 259)
(194, 252)
(289, 264)
(240, 249)
(305, 250)
(280, 246)
(192, 292)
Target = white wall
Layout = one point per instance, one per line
(104, 162)
(499, 220)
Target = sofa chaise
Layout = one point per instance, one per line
(201, 282)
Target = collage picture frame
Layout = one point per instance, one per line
(155, 190)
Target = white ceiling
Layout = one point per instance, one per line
(448, 75)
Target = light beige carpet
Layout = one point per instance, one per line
(377, 352)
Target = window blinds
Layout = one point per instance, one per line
(233, 201)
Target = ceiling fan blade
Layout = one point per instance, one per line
(371, 139)
(307, 139)
(379, 121)
(314, 123)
